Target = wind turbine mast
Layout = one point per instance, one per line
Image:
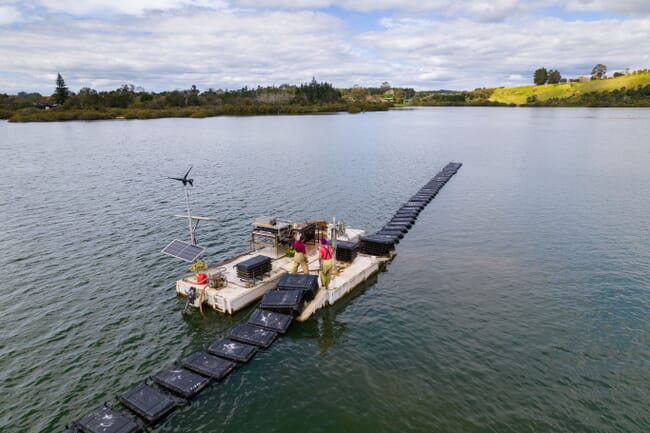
(189, 216)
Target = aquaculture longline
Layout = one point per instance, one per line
(294, 296)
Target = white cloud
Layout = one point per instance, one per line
(225, 50)
(494, 10)
(230, 48)
(467, 54)
(481, 9)
(283, 4)
(9, 15)
(128, 7)
(631, 7)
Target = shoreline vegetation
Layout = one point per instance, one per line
(129, 102)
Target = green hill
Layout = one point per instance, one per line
(569, 91)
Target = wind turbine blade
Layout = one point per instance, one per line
(188, 172)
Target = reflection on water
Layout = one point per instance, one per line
(330, 330)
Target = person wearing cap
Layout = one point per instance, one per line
(325, 255)
(300, 257)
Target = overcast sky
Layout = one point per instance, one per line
(424, 44)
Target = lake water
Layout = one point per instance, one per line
(519, 301)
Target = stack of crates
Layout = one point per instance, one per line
(254, 268)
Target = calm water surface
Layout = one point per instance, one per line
(519, 302)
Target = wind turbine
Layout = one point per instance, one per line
(189, 216)
(184, 179)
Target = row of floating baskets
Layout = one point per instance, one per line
(159, 395)
(382, 243)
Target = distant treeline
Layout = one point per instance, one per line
(132, 103)
(477, 97)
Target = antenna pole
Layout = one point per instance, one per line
(189, 216)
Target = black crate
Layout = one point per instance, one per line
(376, 245)
(235, 350)
(272, 320)
(395, 236)
(252, 334)
(307, 283)
(208, 365)
(346, 251)
(408, 221)
(148, 402)
(395, 228)
(283, 301)
(183, 382)
(407, 213)
(95, 422)
(400, 222)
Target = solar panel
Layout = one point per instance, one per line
(183, 250)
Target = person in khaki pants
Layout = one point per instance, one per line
(325, 254)
(300, 257)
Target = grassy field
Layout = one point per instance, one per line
(520, 95)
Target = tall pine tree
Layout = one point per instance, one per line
(61, 92)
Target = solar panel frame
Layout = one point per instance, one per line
(183, 250)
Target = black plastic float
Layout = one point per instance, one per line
(395, 237)
(376, 245)
(392, 233)
(234, 350)
(414, 205)
(283, 301)
(395, 227)
(106, 420)
(407, 213)
(149, 403)
(307, 283)
(272, 320)
(208, 365)
(181, 381)
(278, 322)
(408, 222)
(252, 334)
(346, 251)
